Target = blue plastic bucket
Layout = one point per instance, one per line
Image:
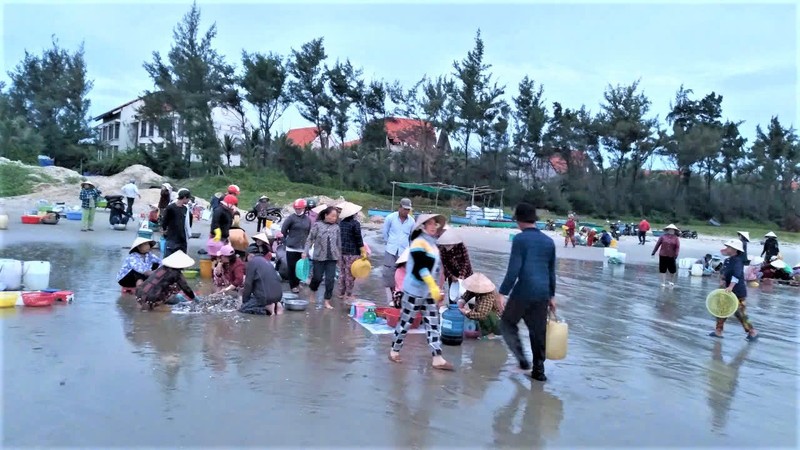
(302, 269)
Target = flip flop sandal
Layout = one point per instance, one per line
(715, 335)
(446, 366)
(395, 359)
(752, 338)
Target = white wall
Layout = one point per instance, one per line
(225, 122)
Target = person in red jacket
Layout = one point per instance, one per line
(644, 227)
(570, 237)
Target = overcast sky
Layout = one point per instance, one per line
(747, 53)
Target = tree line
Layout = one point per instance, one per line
(602, 156)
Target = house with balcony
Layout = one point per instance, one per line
(123, 129)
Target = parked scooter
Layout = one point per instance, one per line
(689, 234)
(118, 215)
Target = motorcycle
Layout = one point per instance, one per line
(615, 229)
(550, 226)
(630, 230)
(273, 214)
(689, 234)
(118, 211)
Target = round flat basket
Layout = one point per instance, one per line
(721, 303)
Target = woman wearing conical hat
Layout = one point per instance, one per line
(139, 263)
(165, 282)
(668, 248)
(771, 248)
(487, 309)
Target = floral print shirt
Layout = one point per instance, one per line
(138, 263)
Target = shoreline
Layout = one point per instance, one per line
(488, 239)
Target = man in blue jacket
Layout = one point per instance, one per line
(531, 282)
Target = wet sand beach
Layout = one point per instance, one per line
(640, 371)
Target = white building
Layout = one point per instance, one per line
(122, 129)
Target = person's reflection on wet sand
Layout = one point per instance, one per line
(168, 338)
(216, 334)
(722, 381)
(541, 419)
(410, 423)
(667, 307)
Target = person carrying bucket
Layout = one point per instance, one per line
(295, 229)
(733, 282)
(89, 197)
(530, 286)
(352, 248)
(221, 222)
(326, 240)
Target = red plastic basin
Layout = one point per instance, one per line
(64, 296)
(37, 299)
(31, 220)
(392, 316)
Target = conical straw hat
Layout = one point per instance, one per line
(671, 227)
(449, 237)
(745, 235)
(349, 209)
(263, 237)
(735, 244)
(778, 264)
(770, 234)
(479, 284)
(139, 241)
(440, 219)
(319, 209)
(178, 260)
(403, 258)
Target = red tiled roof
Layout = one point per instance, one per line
(409, 132)
(352, 143)
(302, 136)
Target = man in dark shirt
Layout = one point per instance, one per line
(531, 282)
(262, 286)
(173, 224)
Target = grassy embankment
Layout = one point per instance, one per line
(282, 191)
(19, 180)
(277, 187)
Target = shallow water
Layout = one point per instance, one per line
(640, 371)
